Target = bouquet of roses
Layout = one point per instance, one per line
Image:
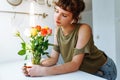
(38, 43)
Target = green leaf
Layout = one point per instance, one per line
(45, 47)
(22, 52)
(23, 45)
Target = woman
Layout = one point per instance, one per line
(74, 41)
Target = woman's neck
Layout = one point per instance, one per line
(67, 29)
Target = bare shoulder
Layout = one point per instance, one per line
(85, 28)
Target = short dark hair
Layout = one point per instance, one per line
(73, 6)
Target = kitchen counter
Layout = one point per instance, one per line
(12, 71)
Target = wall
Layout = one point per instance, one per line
(9, 45)
(117, 28)
(87, 17)
(106, 25)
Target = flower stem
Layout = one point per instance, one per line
(21, 39)
(51, 44)
(48, 56)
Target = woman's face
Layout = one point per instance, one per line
(62, 17)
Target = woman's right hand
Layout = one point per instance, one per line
(24, 69)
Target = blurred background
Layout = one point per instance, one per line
(102, 15)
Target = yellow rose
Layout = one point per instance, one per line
(33, 31)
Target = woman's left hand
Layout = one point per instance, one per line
(36, 70)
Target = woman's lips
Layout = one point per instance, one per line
(57, 22)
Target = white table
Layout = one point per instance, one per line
(12, 71)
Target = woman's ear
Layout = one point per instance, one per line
(72, 21)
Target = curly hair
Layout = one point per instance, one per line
(73, 6)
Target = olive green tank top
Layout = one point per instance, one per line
(93, 59)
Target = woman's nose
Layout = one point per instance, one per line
(58, 16)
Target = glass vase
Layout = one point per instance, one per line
(36, 59)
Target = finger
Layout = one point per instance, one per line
(27, 66)
(24, 70)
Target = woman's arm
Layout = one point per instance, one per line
(38, 70)
(66, 67)
(52, 60)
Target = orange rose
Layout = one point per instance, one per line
(44, 32)
(49, 31)
(38, 27)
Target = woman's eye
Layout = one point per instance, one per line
(64, 15)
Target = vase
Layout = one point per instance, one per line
(36, 59)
